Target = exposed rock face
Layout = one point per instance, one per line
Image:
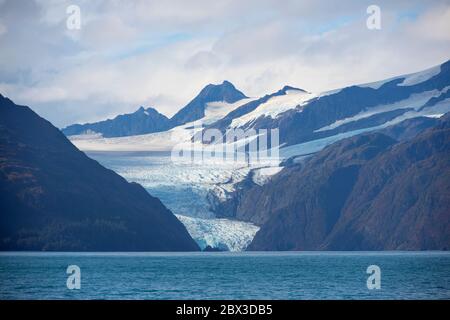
(401, 199)
(410, 128)
(368, 192)
(53, 197)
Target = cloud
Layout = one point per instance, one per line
(161, 53)
(433, 25)
(3, 28)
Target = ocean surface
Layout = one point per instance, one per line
(247, 275)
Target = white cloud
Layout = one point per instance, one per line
(433, 25)
(3, 28)
(161, 53)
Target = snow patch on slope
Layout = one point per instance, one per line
(409, 79)
(274, 106)
(217, 110)
(435, 111)
(414, 101)
(378, 84)
(307, 148)
(158, 141)
(419, 77)
(328, 93)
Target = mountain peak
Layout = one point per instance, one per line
(290, 88)
(227, 83)
(148, 110)
(225, 91)
(142, 121)
(195, 109)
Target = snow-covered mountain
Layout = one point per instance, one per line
(303, 117)
(307, 123)
(195, 110)
(268, 106)
(212, 103)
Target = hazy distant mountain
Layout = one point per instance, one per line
(141, 121)
(367, 192)
(53, 197)
(195, 109)
(149, 120)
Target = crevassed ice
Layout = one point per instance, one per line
(183, 189)
(224, 234)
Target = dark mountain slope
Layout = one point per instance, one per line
(53, 197)
(402, 198)
(303, 202)
(408, 129)
(363, 193)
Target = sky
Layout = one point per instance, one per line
(162, 53)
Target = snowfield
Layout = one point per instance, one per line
(217, 110)
(275, 106)
(410, 79)
(158, 141)
(418, 77)
(415, 101)
(313, 146)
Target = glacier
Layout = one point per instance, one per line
(183, 188)
(224, 234)
(187, 188)
(275, 106)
